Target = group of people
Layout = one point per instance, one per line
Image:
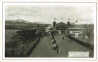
(52, 32)
(53, 42)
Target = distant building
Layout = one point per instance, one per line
(76, 32)
(61, 26)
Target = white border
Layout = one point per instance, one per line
(64, 4)
(11, 1)
(0, 29)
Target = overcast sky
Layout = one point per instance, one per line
(46, 14)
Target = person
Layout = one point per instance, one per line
(51, 33)
(54, 44)
(63, 34)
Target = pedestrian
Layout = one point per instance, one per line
(55, 47)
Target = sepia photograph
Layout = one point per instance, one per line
(49, 30)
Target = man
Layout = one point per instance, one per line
(55, 46)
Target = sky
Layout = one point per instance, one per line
(48, 14)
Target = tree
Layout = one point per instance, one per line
(68, 23)
(54, 24)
